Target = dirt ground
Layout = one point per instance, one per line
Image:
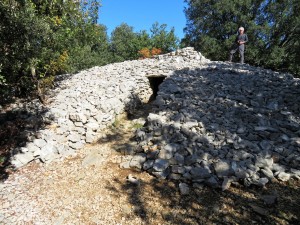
(91, 188)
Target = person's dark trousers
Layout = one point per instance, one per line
(241, 49)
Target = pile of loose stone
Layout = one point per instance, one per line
(221, 123)
(85, 103)
(213, 123)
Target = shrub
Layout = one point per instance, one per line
(146, 53)
(155, 51)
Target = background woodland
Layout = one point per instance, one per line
(40, 39)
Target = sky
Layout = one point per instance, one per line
(141, 14)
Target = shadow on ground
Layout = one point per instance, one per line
(20, 120)
(17, 125)
(159, 202)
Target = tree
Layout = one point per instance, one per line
(90, 10)
(40, 39)
(272, 27)
(22, 38)
(122, 43)
(128, 45)
(142, 40)
(211, 25)
(95, 52)
(162, 39)
(282, 34)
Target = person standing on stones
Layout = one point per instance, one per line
(239, 45)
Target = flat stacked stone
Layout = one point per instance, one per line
(215, 123)
(221, 123)
(85, 103)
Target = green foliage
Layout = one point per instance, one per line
(273, 28)
(123, 43)
(126, 44)
(142, 40)
(2, 159)
(46, 83)
(117, 122)
(41, 39)
(162, 39)
(21, 38)
(4, 90)
(84, 57)
(137, 126)
(2, 78)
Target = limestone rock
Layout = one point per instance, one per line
(184, 188)
(223, 169)
(283, 176)
(160, 164)
(138, 160)
(200, 173)
(22, 159)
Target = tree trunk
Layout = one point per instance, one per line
(40, 93)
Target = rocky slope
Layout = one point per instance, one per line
(222, 123)
(83, 104)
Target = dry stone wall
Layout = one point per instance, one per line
(83, 104)
(213, 123)
(222, 123)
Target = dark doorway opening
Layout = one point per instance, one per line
(154, 84)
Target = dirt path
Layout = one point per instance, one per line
(91, 189)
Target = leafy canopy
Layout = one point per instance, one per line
(273, 28)
(40, 39)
